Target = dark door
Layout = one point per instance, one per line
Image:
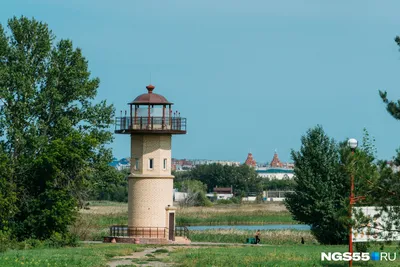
(171, 226)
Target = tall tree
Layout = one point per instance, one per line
(387, 187)
(321, 187)
(393, 107)
(51, 134)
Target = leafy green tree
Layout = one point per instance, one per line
(387, 188)
(243, 179)
(8, 197)
(191, 185)
(391, 106)
(321, 188)
(110, 184)
(196, 193)
(285, 184)
(51, 135)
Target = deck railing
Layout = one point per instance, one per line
(150, 124)
(151, 232)
(182, 231)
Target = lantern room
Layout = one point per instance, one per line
(150, 113)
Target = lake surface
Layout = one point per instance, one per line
(301, 227)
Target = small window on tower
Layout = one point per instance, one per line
(136, 165)
(165, 164)
(151, 163)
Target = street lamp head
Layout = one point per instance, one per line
(352, 143)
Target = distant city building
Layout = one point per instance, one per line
(121, 164)
(250, 161)
(276, 169)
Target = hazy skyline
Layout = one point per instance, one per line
(250, 76)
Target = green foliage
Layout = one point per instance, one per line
(8, 196)
(322, 174)
(52, 138)
(191, 186)
(49, 212)
(110, 184)
(58, 240)
(5, 240)
(285, 184)
(224, 201)
(196, 193)
(243, 179)
(321, 187)
(391, 106)
(362, 246)
(83, 256)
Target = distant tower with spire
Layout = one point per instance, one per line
(276, 163)
(250, 161)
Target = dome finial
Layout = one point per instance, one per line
(150, 88)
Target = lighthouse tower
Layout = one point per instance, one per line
(151, 124)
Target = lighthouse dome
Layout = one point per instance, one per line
(150, 98)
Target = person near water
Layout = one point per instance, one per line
(257, 236)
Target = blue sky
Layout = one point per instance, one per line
(250, 76)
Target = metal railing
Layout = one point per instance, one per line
(182, 231)
(151, 232)
(152, 123)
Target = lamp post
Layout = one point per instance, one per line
(352, 143)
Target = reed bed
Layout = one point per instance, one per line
(208, 217)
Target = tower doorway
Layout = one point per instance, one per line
(171, 226)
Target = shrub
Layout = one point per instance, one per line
(58, 240)
(5, 240)
(224, 201)
(362, 246)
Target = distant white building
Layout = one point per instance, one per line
(121, 164)
(275, 173)
(276, 170)
(180, 196)
(219, 196)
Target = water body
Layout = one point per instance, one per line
(300, 227)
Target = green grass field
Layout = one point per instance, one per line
(85, 256)
(97, 255)
(299, 255)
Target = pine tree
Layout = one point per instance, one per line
(319, 197)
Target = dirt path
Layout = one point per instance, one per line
(155, 256)
(148, 257)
